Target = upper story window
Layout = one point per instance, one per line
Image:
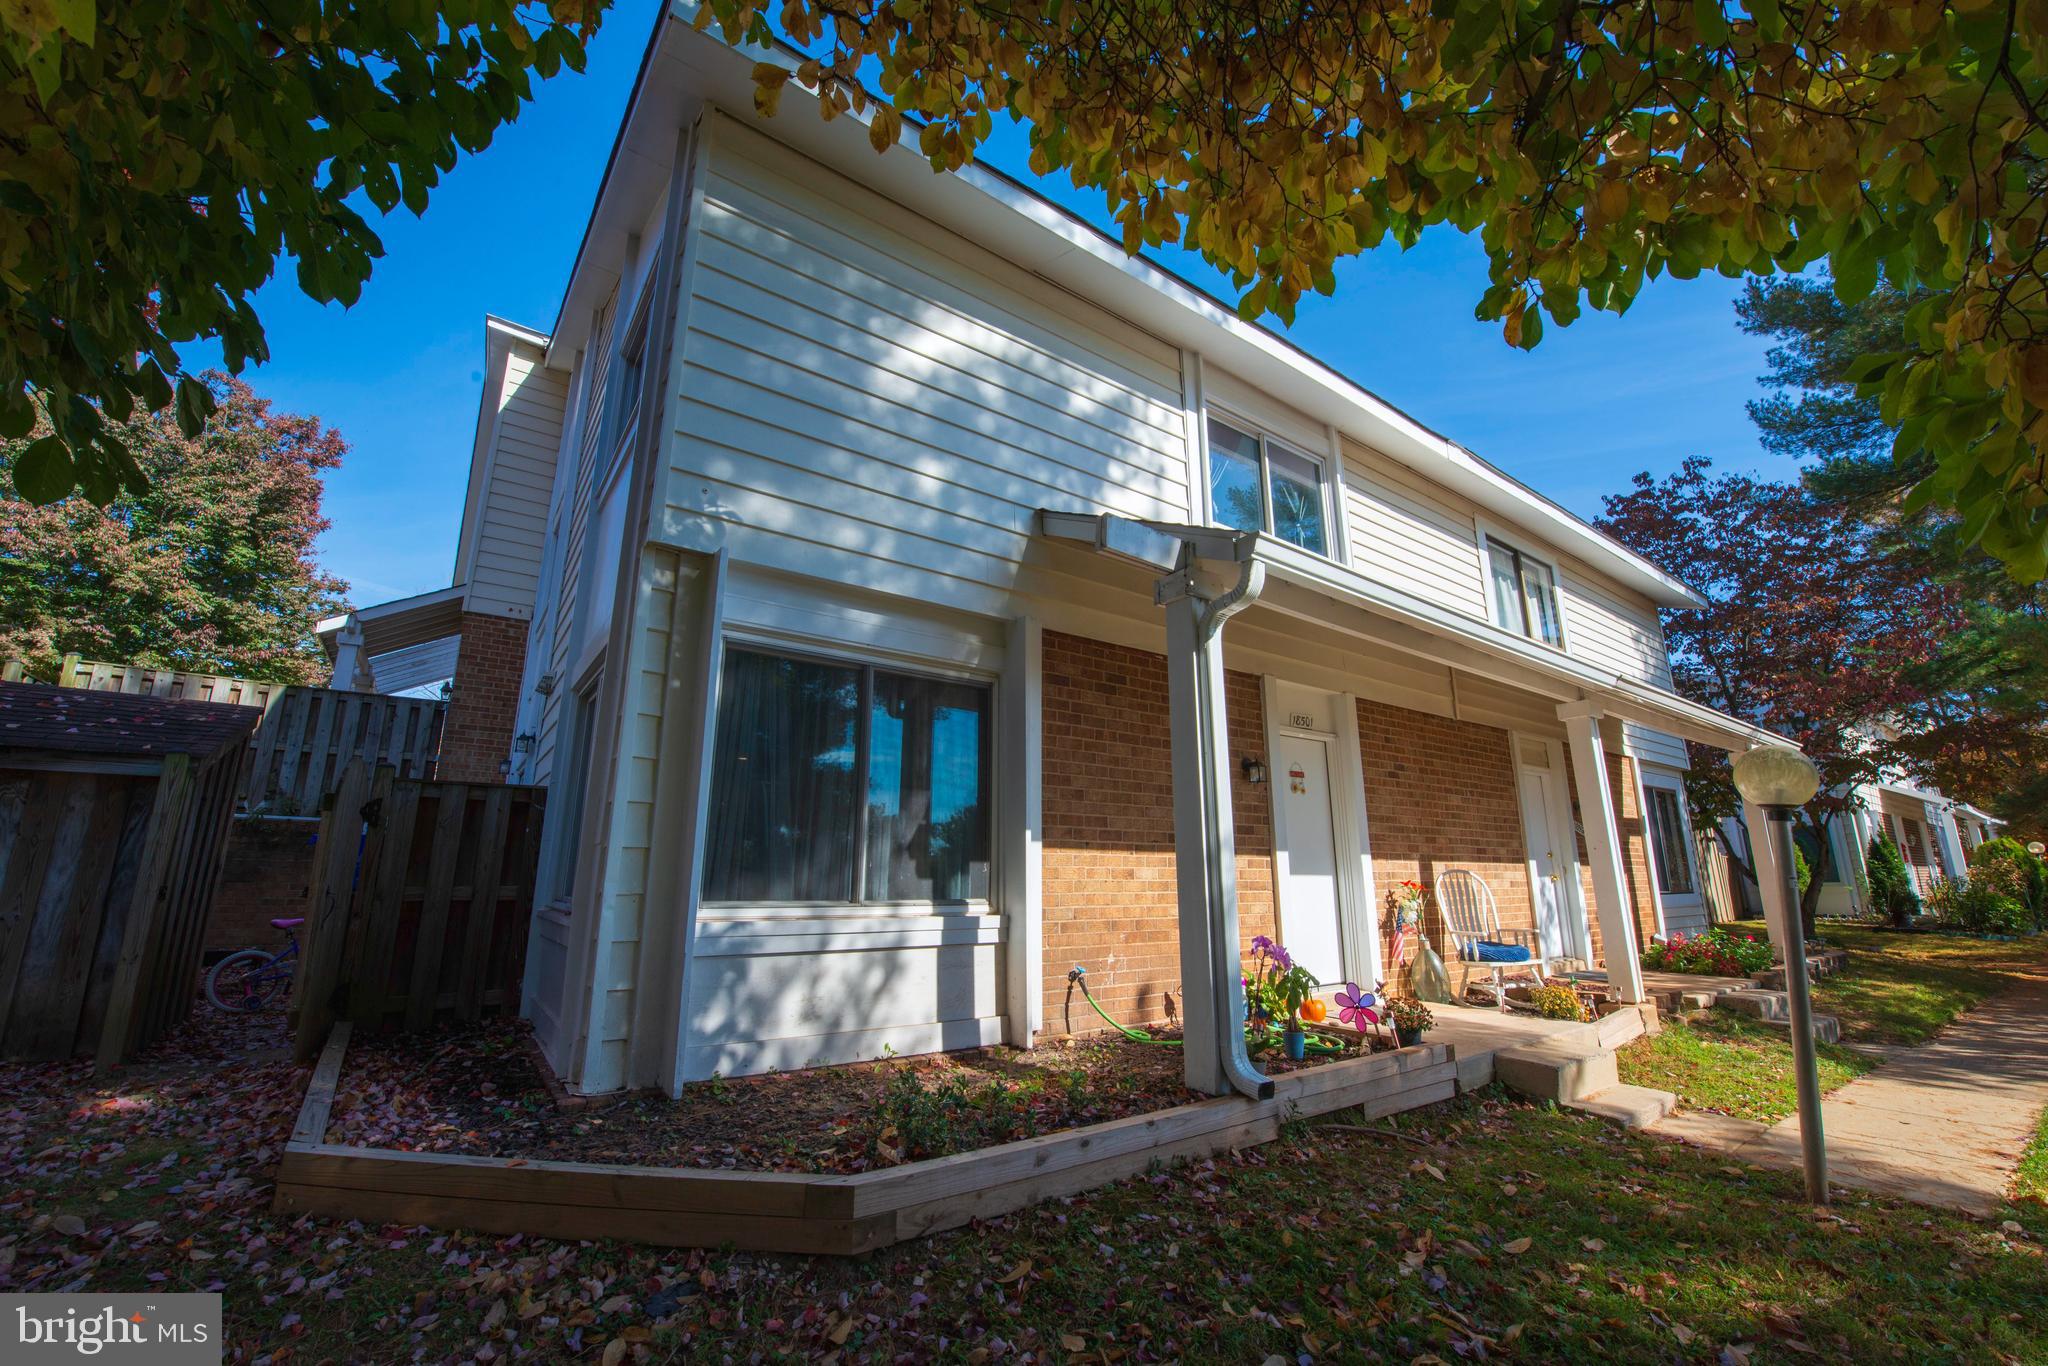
(624, 382)
(1259, 484)
(840, 782)
(1524, 594)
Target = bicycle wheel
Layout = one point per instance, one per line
(245, 981)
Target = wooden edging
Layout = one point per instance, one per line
(799, 1212)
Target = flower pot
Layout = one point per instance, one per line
(1408, 1037)
(1297, 1045)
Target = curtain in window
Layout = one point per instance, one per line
(784, 781)
(1507, 587)
(927, 790)
(1539, 590)
(1667, 842)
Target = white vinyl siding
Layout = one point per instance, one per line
(1409, 535)
(1618, 632)
(858, 405)
(504, 576)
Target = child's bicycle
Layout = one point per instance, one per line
(255, 979)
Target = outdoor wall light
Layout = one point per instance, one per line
(523, 744)
(1254, 771)
(1772, 775)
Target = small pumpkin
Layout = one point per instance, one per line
(1314, 1011)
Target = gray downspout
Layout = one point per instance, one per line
(1212, 997)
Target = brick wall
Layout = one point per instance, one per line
(1111, 900)
(484, 701)
(1441, 794)
(266, 872)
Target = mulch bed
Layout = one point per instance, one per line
(481, 1090)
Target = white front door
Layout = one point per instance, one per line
(1549, 865)
(1308, 857)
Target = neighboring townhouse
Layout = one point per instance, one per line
(1936, 836)
(920, 573)
(471, 636)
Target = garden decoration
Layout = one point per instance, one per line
(1411, 1018)
(1405, 901)
(1359, 1008)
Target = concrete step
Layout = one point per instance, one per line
(1761, 1004)
(1555, 1072)
(1821, 963)
(1632, 1107)
(1826, 1028)
(1630, 1022)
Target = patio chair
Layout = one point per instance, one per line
(1472, 921)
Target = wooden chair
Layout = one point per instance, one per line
(1472, 921)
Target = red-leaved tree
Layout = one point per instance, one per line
(1811, 630)
(211, 568)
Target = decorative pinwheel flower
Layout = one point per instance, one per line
(1355, 1007)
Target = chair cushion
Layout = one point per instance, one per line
(1488, 951)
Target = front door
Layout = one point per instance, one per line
(1308, 893)
(1549, 864)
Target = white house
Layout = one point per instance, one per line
(933, 598)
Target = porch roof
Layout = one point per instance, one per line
(400, 623)
(1310, 587)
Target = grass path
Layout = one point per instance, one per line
(1902, 988)
(1731, 1065)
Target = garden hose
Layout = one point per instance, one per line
(1078, 976)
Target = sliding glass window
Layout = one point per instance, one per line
(841, 782)
(1259, 484)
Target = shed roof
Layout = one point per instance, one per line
(80, 721)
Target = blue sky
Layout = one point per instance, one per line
(400, 373)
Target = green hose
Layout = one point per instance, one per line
(1312, 1044)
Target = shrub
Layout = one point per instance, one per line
(2006, 867)
(1980, 906)
(1722, 951)
(1891, 886)
(1557, 1001)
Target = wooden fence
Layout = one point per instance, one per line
(149, 681)
(421, 898)
(309, 735)
(107, 871)
(306, 735)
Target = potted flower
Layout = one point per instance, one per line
(1410, 1018)
(1278, 990)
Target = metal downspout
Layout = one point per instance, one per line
(1203, 821)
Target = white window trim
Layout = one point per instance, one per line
(1647, 778)
(1564, 834)
(1488, 534)
(1322, 455)
(618, 431)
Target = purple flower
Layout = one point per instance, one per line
(1355, 1007)
(1282, 959)
(1261, 944)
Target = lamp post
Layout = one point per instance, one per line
(1781, 781)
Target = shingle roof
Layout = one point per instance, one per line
(38, 716)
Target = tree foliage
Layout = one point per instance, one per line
(1981, 732)
(1811, 629)
(158, 156)
(1592, 146)
(209, 568)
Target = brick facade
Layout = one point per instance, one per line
(484, 700)
(266, 872)
(1111, 900)
(1440, 793)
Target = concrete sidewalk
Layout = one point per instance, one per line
(1944, 1124)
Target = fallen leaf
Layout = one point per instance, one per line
(1017, 1273)
(1073, 1342)
(70, 1225)
(614, 1352)
(1518, 1246)
(1592, 1244)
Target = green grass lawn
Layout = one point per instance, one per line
(1491, 1228)
(1902, 988)
(1736, 1066)
(2031, 1181)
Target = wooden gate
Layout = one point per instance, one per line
(421, 899)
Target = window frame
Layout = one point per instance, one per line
(1673, 785)
(1326, 491)
(868, 664)
(618, 426)
(576, 729)
(1492, 542)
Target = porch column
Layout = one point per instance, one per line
(1763, 853)
(351, 665)
(1205, 851)
(1603, 847)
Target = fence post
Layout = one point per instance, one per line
(328, 914)
(146, 902)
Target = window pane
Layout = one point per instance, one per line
(783, 786)
(1539, 589)
(1234, 479)
(1667, 842)
(927, 790)
(1507, 591)
(1297, 498)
